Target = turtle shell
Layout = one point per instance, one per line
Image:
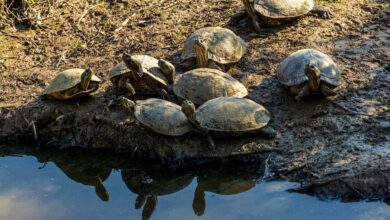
(282, 9)
(151, 68)
(203, 84)
(224, 46)
(232, 114)
(162, 116)
(291, 71)
(66, 80)
(119, 70)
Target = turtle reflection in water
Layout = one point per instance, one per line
(83, 168)
(222, 181)
(149, 184)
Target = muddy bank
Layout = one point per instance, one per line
(321, 142)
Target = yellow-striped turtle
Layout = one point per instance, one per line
(71, 84)
(203, 84)
(144, 75)
(158, 115)
(229, 116)
(276, 12)
(213, 47)
(307, 71)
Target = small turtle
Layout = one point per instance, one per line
(159, 115)
(229, 116)
(71, 84)
(307, 71)
(203, 84)
(213, 47)
(143, 74)
(276, 12)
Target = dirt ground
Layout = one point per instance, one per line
(320, 143)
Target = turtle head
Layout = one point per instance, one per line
(86, 77)
(188, 108)
(168, 70)
(313, 74)
(201, 52)
(126, 103)
(133, 64)
(101, 190)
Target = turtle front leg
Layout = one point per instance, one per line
(322, 12)
(168, 69)
(304, 92)
(268, 132)
(252, 13)
(124, 83)
(163, 94)
(327, 91)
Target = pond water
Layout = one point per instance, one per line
(77, 184)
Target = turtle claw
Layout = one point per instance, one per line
(322, 12)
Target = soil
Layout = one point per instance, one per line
(322, 143)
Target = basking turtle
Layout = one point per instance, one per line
(307, 71)
(229, 116)
(213, 47)
(146, 75)
(159, 115)
(203, 84)
(276, 12)
(71, 84)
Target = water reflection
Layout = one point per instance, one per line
(83, 168)
(222, 181)
(155, 191)
(149, 183)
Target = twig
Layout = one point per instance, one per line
(124, 23)
(85, 13)
(62, 57)
(10, 35)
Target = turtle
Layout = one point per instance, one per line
(202, 84)
(160, 116)
(229, 117)
(276, 12)
(72, 84)
(143, 74)
(213, 47)
(307, 71)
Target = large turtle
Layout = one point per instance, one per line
(71, 84)
(229, 116)
(307, 71)
(143, 74)
(203, 84)
(158, 115)
(213, 47)
(276, 12)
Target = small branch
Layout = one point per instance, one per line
(85, 13)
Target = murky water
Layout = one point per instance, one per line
(84, 185)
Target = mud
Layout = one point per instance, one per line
(320, 143)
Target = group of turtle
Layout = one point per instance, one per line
(210, 53)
